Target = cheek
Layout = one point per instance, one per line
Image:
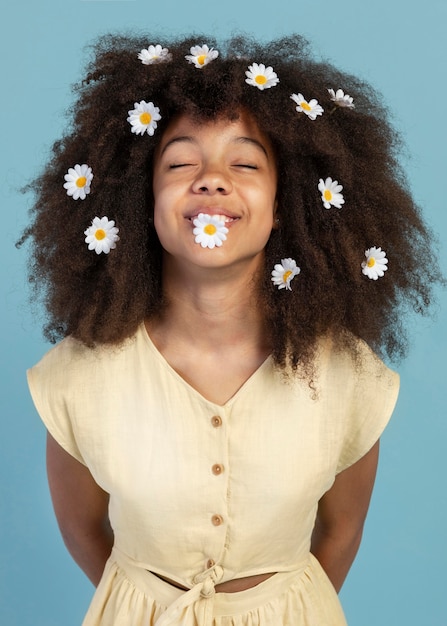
(264, 227)
(167, 224)
(163, 231)
(162, 203)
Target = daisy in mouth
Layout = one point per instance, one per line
(210, 230)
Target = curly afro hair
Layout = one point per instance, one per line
(103, 298)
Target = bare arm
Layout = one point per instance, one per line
(81, 508)
(341, 516)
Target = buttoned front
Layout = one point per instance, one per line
(197, 488)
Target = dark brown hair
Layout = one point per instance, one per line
(103, 298)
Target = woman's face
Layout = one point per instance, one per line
(220, 168)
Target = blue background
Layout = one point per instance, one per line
(399, 577)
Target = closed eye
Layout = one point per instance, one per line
(177, 165)
(247, 165)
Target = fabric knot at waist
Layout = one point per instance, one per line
(208, 581)
(201, 603)
(179, 610)
(204, 590)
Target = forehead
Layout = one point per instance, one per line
(187, 129)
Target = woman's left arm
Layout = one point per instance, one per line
(341, 516)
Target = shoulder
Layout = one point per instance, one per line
(352, 361)
(71, 361)
(353, 381)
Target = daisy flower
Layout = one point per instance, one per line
(261, 77)
(102, 235)
(341, 99)
(144, 117)
(78, 182)
(154, 54)
(311, 108)
(209, 231)
(376, 263)
(284, 272)
(201, 55)
(330, 193)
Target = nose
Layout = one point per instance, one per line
(212, 180)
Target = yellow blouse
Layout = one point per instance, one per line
(198, 489)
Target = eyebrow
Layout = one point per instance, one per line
(177, 140)
(190, 139)
(253, 142)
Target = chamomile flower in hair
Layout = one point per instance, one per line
(284, 272)
(201, 55)
(330, 193)
(209, 231)
(310, 107)
(261, 77)
(102, 235)
(144, 117)
(376, 263)
(78, 181)
(341, 99)
(154, 54)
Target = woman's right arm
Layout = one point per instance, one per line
(81, 509)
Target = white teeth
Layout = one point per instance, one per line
(222, 218)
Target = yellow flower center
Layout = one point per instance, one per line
(201, 59)
(100, 234)
(81, 181)
(210, 229)
(305, 106)
(260, 79)
(327, 195)
(286, 275)
(145, 118)
(371, 261)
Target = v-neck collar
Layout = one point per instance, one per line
(247, 383)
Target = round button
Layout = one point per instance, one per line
(217, 520)
(216, 421)
(217, 469)
(210, 563)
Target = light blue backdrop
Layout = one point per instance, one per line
(399, 578)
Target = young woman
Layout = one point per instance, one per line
(224, 240)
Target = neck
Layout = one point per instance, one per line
(215, 309)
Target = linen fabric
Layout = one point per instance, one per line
(203, 493)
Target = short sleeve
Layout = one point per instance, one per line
(372, 396)
(47, 383)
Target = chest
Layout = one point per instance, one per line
(184, 471)
(161, 441)
(216, 376)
